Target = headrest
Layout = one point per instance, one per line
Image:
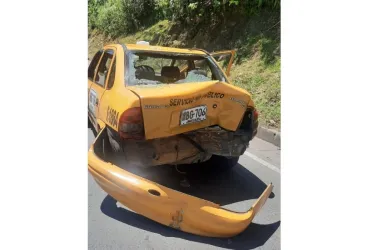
(170, 72)
(144, 72)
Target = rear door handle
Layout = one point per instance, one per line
(97, 102)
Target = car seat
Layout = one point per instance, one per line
(145, 72)
(171, 73)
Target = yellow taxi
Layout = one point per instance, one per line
(154, 105)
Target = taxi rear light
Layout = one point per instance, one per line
(255, 122)
(131, 124)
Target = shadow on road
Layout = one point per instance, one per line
(254, 236)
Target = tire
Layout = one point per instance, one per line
(115, 141)
(221, 163)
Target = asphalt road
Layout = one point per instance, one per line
(111, 226)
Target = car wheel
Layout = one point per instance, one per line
(221, 163)
(114, 141)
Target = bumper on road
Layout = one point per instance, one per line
(168, 206)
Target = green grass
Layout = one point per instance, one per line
(263, 82)
(95, 42)
(153, 34)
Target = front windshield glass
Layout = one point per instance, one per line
(152, 68)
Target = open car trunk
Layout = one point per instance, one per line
(170, 109)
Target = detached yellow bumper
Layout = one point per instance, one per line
(167, 206)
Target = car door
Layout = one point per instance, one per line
(98, 85)
(224, 59)
(91, 75)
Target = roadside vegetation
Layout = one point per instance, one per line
(251, 27)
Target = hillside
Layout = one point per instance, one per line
(256, 39)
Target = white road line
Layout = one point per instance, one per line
(265, 163)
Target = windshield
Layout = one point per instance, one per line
(152, 68)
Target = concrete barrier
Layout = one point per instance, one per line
(269, 135)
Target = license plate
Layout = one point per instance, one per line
(193, 115)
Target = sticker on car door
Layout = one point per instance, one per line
(92, 102)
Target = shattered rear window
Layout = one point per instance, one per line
(152, 68)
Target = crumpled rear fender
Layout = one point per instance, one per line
(167, 206)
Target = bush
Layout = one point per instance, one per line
(138, 13)
(163, 9)
(120, 17)
(117, 17)
(93, 7)
(111, 19)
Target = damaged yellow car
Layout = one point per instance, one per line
(157, 106)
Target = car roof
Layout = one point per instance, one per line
(141, 47)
